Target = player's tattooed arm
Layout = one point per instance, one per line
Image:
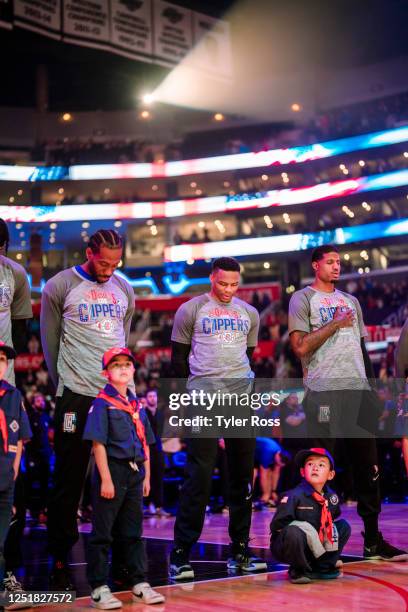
(179, 359)
(304, 344)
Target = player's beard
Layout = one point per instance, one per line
(94, 274)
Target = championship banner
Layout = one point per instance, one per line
(131, 27)
(212, 44)
(155, 31)
(42, 16)
(173, 36)
(6, 14)
(86, 22)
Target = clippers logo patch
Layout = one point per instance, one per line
(69, 425)
(14, 426)
(324, 414)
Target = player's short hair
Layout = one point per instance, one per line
(229, 264)
(317, 254)
(107, 238)
(4, 235)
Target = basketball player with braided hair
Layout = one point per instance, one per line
(85, 310)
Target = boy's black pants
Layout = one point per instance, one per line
(290, 546)
(71, 462)
(120, 520)
(195, 492)
(346, 410)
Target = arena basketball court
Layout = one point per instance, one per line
(365, 585)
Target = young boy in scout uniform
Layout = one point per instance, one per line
(303, 531)
(120, 434)
(14, 428)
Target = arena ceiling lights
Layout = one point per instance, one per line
(286, 243)
(199, 206)
(221, 163)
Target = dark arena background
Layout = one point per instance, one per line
(199, 129)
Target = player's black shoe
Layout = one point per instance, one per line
(60, 579)
(242, 559)
(297, 576)
(179, 567)
(384, 551)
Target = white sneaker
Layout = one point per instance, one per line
(12, 585)
(102, 598)
(143, 592)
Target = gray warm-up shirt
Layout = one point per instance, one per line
(15, 303)
(219, 335)
(338, 363)
(80, 320)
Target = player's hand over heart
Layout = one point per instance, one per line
(343, 317)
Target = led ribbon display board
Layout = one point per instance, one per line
(199, 206)
(240, 161)
(286, 243)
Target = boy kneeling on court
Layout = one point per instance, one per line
(303, 531)
(120, 433)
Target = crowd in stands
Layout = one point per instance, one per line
(373, 115)
(69, 152)
(379, 299)
(370, 116)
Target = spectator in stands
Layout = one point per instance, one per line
(37, 457)
(33, 345)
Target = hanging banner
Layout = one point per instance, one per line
(6, 14)
(155, 31)
(131, 26)
(173, 36)
(42, 16)
(212, 43)
(87, 21)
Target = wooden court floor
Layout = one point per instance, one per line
(364, 585)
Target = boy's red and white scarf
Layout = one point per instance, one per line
(132, 408)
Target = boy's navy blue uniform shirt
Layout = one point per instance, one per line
(299, 505)
(17, 428)
(115, 428)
